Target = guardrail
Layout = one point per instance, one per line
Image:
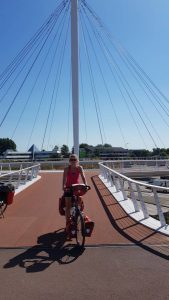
(138, 165)
(120, 186)
(21, 176)
(47, 165)
(122, 166)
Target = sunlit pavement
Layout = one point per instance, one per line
(123, 259)
(119, 272)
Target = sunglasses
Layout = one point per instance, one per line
(73, 159)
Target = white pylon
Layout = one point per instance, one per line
(75, 74)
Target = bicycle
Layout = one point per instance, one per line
(6, 196)
(77, 223)
(3, 206)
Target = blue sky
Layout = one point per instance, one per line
(142, 27)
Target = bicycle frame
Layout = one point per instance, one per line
(77, 229)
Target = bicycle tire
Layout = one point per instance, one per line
(80, 229)
(3, 207)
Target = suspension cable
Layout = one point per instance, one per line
(92, 84)
(43, 93)
(105, 84)
(111, 70)
(129, 59)
(37, 77)
(82, 91)
(51, 102)
(122, 75)
(24, 80)
(69, 106)
(21, 55)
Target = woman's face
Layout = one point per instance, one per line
(73, 160)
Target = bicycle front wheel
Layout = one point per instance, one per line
(80, 229)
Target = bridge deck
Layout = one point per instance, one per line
(35, 213)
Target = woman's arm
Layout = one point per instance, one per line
(64, 178)
(83, 175)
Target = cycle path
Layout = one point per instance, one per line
(113, 267)
(34, 215)
(125, 273)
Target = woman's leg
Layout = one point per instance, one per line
(67, 210)
(80, 202)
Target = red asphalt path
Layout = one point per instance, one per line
(34, 214)
(51, 268)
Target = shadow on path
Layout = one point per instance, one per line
(135, 232)
(51, 247)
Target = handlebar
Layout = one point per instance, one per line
(78, 188)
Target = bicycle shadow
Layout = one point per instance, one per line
(51, 247)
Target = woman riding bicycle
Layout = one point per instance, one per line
(71, 176)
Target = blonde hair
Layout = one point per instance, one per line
(74, 156)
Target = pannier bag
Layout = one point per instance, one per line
(7, 192)
(62, 205)
(89, 225)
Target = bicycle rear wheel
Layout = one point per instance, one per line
(80, 229)
(3, 207)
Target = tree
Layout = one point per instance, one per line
(156, 152)
(55, 149)
(88, 149)
(107, 145)
(96, 152)
(65, 151)
(6, 144)
(140, 153)
(83, 145)
(55, 152)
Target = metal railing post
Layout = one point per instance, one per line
(32, 173)
(121, 182)
(11, 176)
(117, 179)
(159, 210)
(104, 174)
(115, 182)
(143, 206)
(111, 180)
(36, 171)
(102, 170)
(19, 179)
(133, 197)
(26, 177)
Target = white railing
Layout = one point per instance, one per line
(127, 166)
(48, 165)
(130, 194)
(21, 176)
(122, 166)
